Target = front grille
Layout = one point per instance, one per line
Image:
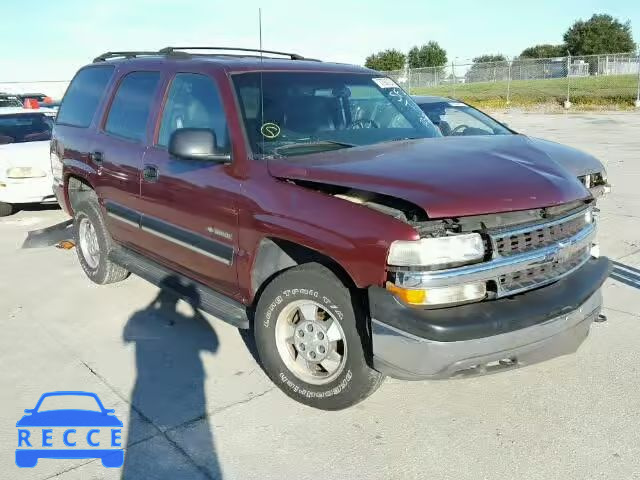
(540, 275)
(520, 258)
(538, 236)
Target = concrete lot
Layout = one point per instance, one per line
(196, 405)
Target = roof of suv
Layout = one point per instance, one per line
(231, 62)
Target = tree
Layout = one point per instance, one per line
(489, 58)
(544, 51)
(387, 60)
(488, 68)
(600, 34)
(428, 55)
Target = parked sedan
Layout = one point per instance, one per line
(456, 118)
(25, 166)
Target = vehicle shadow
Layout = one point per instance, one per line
(169, 391)
(625, 274)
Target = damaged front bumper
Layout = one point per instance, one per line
(416, 343)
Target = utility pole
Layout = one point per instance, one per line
(453, 78)
(567, 102)
(509, 84)
(638, 94)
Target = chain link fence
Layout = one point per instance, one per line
(597, 80)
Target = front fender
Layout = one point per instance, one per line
(355, 237)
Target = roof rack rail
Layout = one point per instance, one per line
(178, 52)
(131, 54)
(293, 56)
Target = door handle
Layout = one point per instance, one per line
(150, 173)
(96, 157)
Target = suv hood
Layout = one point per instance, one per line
(577, 162)
(447, 176)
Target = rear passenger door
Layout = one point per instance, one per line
(119, 148)
(74, 130)
(189, 207)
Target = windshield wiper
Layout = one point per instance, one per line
(331, 144)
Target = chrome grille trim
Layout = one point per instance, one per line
(513, 283)
(540, 234)
(511, 244)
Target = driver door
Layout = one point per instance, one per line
(189, 207)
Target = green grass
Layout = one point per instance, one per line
(617, 91)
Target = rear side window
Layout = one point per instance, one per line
(131, 105)
(83, 96)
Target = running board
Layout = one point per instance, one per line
(196, 294)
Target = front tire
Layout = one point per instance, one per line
(6, 209)
(312, 341)
(93, 244)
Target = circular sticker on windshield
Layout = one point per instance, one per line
(270, 130)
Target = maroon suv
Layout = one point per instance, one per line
(317, 204)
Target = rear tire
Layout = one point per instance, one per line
(312, 340)
(6, 209)
(93, 244)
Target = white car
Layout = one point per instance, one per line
(25, 168)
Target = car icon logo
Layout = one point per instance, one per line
(69, 433)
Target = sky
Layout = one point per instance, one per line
(52, 38)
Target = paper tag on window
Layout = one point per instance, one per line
(457, 104)
(384, 82)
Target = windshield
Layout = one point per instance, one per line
(25, 127)
(459, 119)
(292, 113)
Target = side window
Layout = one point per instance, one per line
(458, 118)
(131, 105)
(365, 104)
(194, 102)
(83, 96)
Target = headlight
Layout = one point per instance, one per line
(438, 252)
(56, 167)
(25, 172)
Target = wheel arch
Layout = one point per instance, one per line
(275, 255)
(77, 189)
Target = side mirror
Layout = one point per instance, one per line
(196, 144)
(28, 410)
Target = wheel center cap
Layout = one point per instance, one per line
(311, 341)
